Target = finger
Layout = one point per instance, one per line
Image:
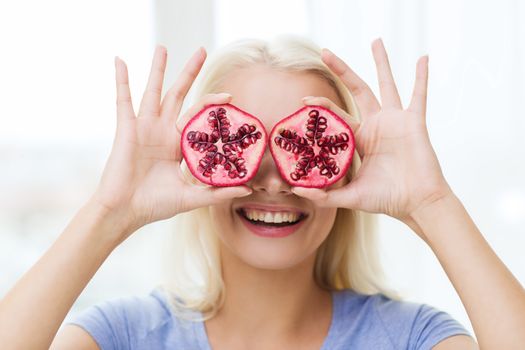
(316, 195)
(328, 104)
(363, 95)
(224, 193)
(172, 102)
(387, 86)
(418, 102)
(343, 197)
(124, 104)
(201, 196)
(207, 100)
(149, 105)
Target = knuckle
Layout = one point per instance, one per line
(123, 100)
(387, 83)
(177, 94)
(157, 90)
(359, 89)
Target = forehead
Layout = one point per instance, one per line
(271, 94)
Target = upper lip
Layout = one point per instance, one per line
(270, 207)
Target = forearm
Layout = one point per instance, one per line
(493, 298)
(33, 310)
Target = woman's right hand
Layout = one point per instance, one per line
(143, 181)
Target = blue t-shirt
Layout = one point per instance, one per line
(358, 322)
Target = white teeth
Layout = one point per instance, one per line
(271, 217)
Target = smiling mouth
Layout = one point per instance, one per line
(271, 219)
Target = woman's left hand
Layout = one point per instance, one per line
(400, 172)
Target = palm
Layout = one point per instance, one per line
(398, 163)
(143, 175)
(156, 170)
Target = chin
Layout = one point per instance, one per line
(271, 253)
(272, 257)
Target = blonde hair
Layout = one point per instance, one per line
(347, 259)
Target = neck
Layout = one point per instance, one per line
(271, 303)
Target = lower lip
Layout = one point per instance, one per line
(269, 231)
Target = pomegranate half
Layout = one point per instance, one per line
(223, 145)
(313, 147)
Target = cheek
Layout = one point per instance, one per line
(325, 219)
(221, 217)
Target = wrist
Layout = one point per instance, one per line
(416, 218)
(432, 210)
(115, 225)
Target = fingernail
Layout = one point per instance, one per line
(326, 51)
(200, 51)
(377, 40)
(160, 48)
(224, 95)
(307, 98)
(294, 191)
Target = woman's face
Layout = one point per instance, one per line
(272, 95)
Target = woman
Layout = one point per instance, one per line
(317, 288)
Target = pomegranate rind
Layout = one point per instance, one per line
(286, 161)
(237, 118)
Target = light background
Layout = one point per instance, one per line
(57, 114)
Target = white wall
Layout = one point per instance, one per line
(57, 121)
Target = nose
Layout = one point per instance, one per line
(268, 178)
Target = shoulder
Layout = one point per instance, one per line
(398, 323)
(133, 321)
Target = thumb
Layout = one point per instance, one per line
(202, 196)
(316, 195)
(343, 197)
(222, 193)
